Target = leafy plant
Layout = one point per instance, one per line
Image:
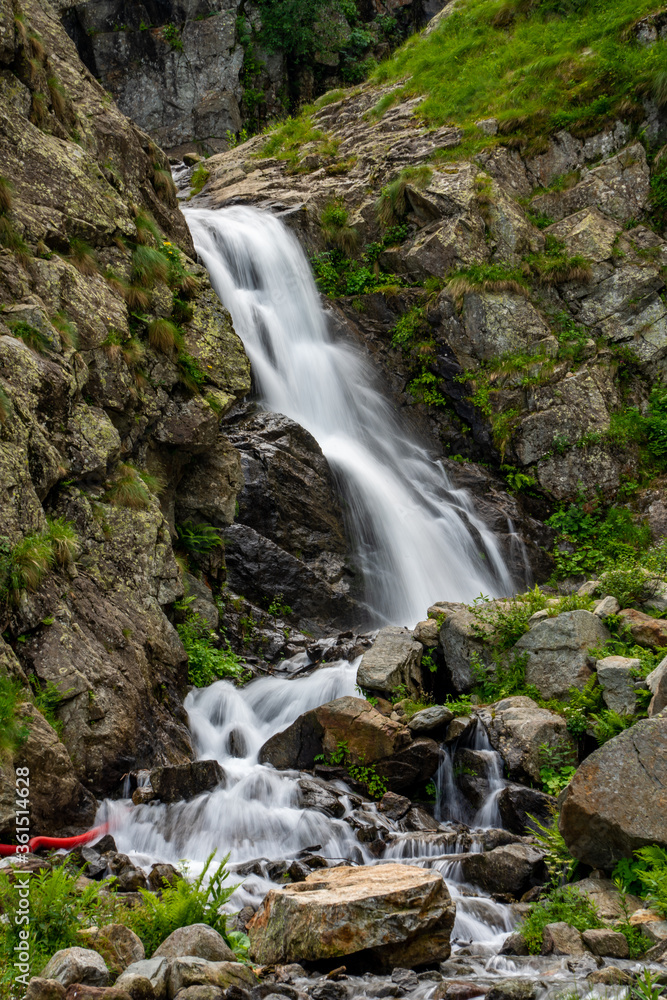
(647, 987)
(199, 539)
(209, 659)
(172, 34)
(278, 608)
(563, 903)
(13, 733)
(557, 766)
(559, 863)
(335, 227)
(608, 724)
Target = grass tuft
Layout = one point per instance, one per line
(148, 266)
(83, 257)
(164, 335)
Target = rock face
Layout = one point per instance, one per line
(396, 914)
(600, 819)
(557, 648)
(367, 736)
(393, 660)
(517, 728)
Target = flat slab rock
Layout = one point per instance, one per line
(396, 914)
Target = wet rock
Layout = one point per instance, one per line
(129, 877)
(392, 661)
(599, 821)
(514, 944)
(319, 795)
(407, 979)
(562, 939)
(199, 940)
(394, 806)
(298, 872)
(609, 944)
(433, 720)
(188, 971)
(657, 953)
(557, 648)
(79, 992)
(646, 631)
(77, 965)
(617, 683)
(348, 910)
(389, 990)
(118, 945)
(329, 991)
(657, 684)
(152, 971)
(459, 727)
(511, 869)
(517, 728)
(162, 874)
(610, 976)
(512, 989)
(410, 767)
(458, 991)
(185, 781)
(44, 989)
(519, 804)
(204, 992)
(275, 870)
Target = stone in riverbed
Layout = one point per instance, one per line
(511, 869)
(189, 970)
(185, 781)
(80, 992)
(513, 989)
(518, 804)
(617, 800)
(395, 914)
(118, 945)
(44, 989)
(562, 939)
(199, 940)
(431, 720)
(517, 727)
(152, 971)
(392, 661)
(605, 942)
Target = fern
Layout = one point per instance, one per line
(182, 904)
(558, 861)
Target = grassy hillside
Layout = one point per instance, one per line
(536, 65)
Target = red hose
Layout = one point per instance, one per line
(55, 843)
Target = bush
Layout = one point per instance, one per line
(591, 539)
(12, 732)
(208, 659)
(334, 223)
(198, 538)
(564, 903)
(646, 875)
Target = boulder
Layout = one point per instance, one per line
(141, 977)
(189, 970)
(118, 945)
(459, 639)
(394, 806)
(607, 943)
(617, 683)
(646, 631)
(185, 781)
(44, 989)
(77, 965)
(610, 975)
(393, 661)
(599, 820)
(511, 869)
(557, 648)
(562, 939)
(199, 940)
(434, 719)
(395, 914)
(607, 606)
(317, 794)
(209, 992)
(514, 944)
(657, 683)
(517, 727)
(513, 989)
(80, 992)
(607, 899)
(427, 632)
(519, 805)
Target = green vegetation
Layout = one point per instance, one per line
(199, 539)
(645, 875)
(47, 699)
(538, 67)
(200, 176)
(559, 863)
(24, 565)
(334, 223)
(12, 732)
(557, 766)
(591, 538)
(209, 658)
(172, 34)
(392, 205)
(562, 903)
(31, 337)
(365, 774)
(132, 487)
(82, 255)
(336, 275)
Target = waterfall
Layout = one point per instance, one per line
(418, 540)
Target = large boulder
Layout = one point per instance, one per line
(393, 661)
(118, 945)
(460, 639)
(616, 680)
(398, 915)
(617, 800)
(517, 727)
(188, 970)
(519, 806)
(645, 630)
(184, 781)
(199, 940)
(77, 965)
(369, 738)
(558, 652)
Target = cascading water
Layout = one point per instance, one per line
(418, 539)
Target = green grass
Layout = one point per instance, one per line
(566, 904)
(24, 565)
(12, 732)
(209, 659)
(537, 67)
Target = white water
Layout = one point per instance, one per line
(418, 540)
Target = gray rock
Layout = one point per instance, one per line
(514, 944)
(513, 989)
(517, 727)
(617, 800)
(616, 680)
(77, 965)
(394, 806)
(562, 939)
(44, 989)
(196, 939)
(155, 971)
(609, 944)
(557, 648)
(607, 606)
(512, 869)
(657, 683)
(393, 660)
(519, 805)
(184, 781)
(430, 719)
(316, 794)
(191, 971)
(459, 641)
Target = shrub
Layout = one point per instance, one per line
(24, 566)
(557, 766)
(559, 862)
(207, 661)
(63, 540)
(334, 223)
(564, 903)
